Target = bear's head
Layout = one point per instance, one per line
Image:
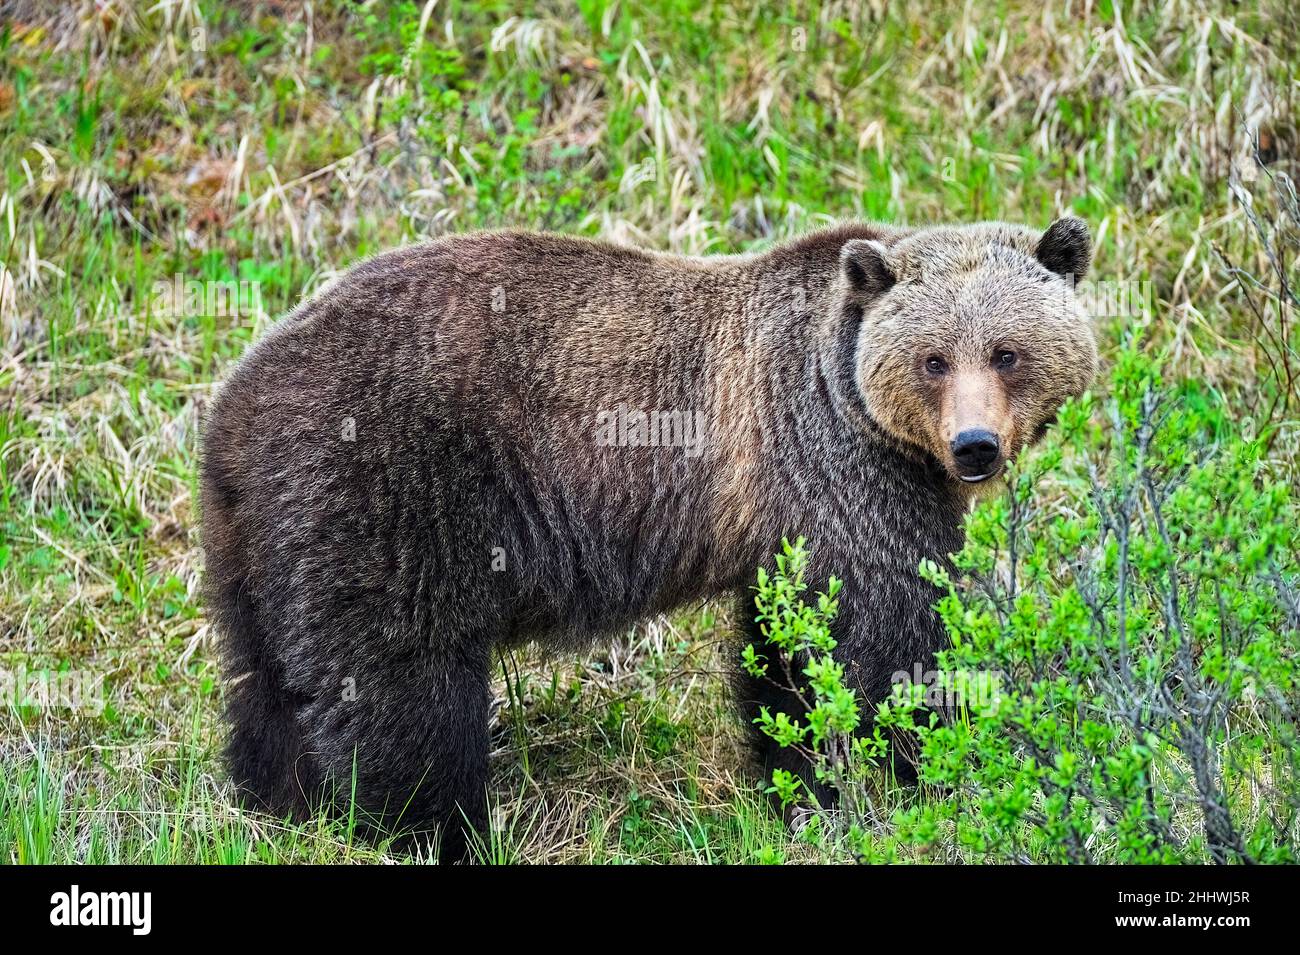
(970, 337)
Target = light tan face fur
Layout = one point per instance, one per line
(975, 338)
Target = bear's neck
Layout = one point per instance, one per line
(792, 425)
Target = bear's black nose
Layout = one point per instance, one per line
(975, 450)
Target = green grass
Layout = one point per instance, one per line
(223, 144)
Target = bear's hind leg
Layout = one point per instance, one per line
(264, 751)
(406, 745)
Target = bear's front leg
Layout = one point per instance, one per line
(885, 631)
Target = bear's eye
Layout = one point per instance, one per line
(936, 365)
(1004, 359)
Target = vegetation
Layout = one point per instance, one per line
(176, 175)
(1125, 660)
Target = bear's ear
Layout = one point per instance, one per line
(1065, 248)
(866, 267)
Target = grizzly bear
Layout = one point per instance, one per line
(506, 437)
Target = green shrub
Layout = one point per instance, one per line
(1122, 680)
(826, 732)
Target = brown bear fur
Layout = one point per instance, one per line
(414, 467)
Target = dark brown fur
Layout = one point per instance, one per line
(354, 571)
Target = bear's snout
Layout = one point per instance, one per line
(975, 452)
